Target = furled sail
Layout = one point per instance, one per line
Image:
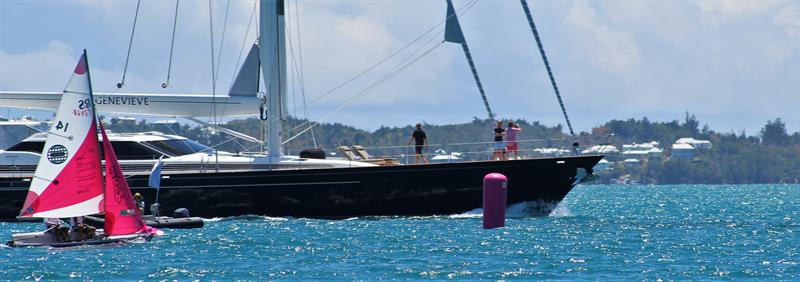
(122, 216)
(452, 29)
(68, 181)
(246, 82)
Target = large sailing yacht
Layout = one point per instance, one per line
(325, 188)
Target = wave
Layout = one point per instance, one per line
(246, 217)
(523, 210)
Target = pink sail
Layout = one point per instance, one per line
(122, 215)
(68, 179)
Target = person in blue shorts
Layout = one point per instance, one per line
(499, 146)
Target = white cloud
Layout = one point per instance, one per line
(40, 68)
(721, 60)
(613, 50)
(48, 69)
(789, 18)
(721, 11)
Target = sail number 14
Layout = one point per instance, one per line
(62, 126)
(83, 108)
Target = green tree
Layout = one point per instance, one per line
(774, 133)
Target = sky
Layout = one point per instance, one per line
(733, 64)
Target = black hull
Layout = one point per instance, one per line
(409, 190)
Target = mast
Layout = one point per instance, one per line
(453, 33)
(273, 67)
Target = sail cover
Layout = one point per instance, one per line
(122, 215)
(452, 29)
(68, 181)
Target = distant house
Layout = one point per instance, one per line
(631, 162)
(636, 154)
(696, 144)
(642, 151)
(601, 149)
(602, 165)
(655, 153)
(124, 120)
(642, 146)
(555, 152)
(443, 157)
(682, 151)
(166, 121)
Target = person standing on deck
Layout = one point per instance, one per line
(511, 139)
(499, 145)
(420, 140)
(139, 202)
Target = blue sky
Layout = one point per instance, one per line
(734, 64)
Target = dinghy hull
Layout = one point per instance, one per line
(47, 239)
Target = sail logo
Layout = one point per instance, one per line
(57, 154)
(117, 100)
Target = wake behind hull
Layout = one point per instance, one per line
(45, 239)
(409, 190)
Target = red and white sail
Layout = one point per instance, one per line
(122, 216)
(68, 181)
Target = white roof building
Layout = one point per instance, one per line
(655, 153)
(552, 151)
(601, 149)
(641, 154)
(631, 162)
(603, 164)
(642, 146)
(698, 144)
(684, 151)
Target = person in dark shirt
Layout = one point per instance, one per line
(499, 146)
(420, 140)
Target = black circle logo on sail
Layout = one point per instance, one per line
(57, 154)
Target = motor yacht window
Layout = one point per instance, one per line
(126, 150)
(129, 150)
(29, 146)
(179, 147)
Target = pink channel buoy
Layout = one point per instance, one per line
(495, 188)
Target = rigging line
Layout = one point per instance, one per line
(172, 45)
(130, 44)
(296, 71)
(393, 69)
(222, 39)
(213, 70)
(460, 11)
(244, 42)
(299, 45)
(293, 66)
(213, 79)
(367, 90)
(546, 63)
(302, 72)
(221, 112)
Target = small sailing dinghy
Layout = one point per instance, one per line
(68, 182)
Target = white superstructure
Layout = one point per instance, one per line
(139, 151)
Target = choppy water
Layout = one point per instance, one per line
(681, 232)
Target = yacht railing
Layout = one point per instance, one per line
(461, 152)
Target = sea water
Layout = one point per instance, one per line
(681, 232)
